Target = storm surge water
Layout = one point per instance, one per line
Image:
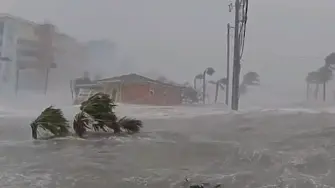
(256, 147)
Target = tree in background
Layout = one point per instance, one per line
(249, 79)
(311, 78)
(162, 79)
(321, 76)
(219, 84)
(330, 60)
(190, 95)
(325, 74)
(197, 77)
(208, 71)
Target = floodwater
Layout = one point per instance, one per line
(250, 149)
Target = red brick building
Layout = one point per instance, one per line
(136, 89)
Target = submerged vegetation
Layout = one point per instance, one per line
(97, 114)
(51, 121)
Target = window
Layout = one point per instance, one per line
(27, 43)
(27, 52)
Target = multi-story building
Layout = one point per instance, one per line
(38, 54)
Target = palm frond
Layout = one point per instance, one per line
(330, 59)
(99, 101)
(199, 76)
(51, 120)
(222, 86)
(81, 123)
(210, 71)
(98, 104)
(130, 125)
(325, 74)
(101, 108)
(223, 81)
(251, 78)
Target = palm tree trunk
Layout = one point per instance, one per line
(316, 92)
(324, 91)
(307, 90)
(195, 83)
(204, 88)
(34, 132)
(216, 92)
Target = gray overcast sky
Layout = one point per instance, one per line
(180, 37)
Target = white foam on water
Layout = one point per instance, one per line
(32, 105)
(149, 112)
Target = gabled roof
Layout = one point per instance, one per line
(135, 78)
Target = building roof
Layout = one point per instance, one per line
(12, 17)
(135, 78)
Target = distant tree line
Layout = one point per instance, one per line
(321, 76)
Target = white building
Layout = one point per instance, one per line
(36, 52)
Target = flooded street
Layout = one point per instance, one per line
(252, 149)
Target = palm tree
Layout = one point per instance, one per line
(325, 74)
(162, 79)
(221, 83)
(208, 71)
(321, 76)
(51, 121)
(197, 77)
(311, 78)
(98, 112)
(330, 60)
(249, 79)
(190, 95)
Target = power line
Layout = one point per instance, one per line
(244, 24)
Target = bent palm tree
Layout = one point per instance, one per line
(325, 74)
(130, 125)
(81, 122)
(222, 83)
(98, 113)
(51, 121)
(208, 71)
(197, 77)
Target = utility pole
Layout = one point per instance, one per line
(237, 63)
(228, 64)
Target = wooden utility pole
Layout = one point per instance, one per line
(237, 58)
(228, 64)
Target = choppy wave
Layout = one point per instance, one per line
(155, 112)
(257, 148)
